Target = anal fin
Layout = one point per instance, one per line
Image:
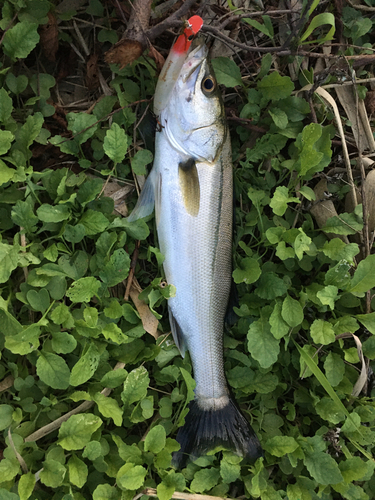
(177, 333)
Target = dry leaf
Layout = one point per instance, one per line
(118, 193)
(49, 38)
(149, 322)
(6, 383)
(124, 53)
(157, 57)
(370, 199)
(92, 75)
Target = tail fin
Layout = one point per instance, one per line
(205, 430)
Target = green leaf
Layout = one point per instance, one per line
(16, 84)
(53, 213)
(268, 31)
(60, 314)
(82, 125)
(301, 244)
(229, 471)
(353, 469)
(141, 158)
(83, 289)
(105, 492)
(317, 22)
(74, 234)
(8, 261)
(337, 249)
(334, 368)
(227, 72)
(7, 495)
(322, 332)
(20, 40)
(281, 445)
(63, 342)
(85, 367)
(330, 411)
(6, 418)
(344, 224)
(262, 344)
(270, 286)
(135, 386)
(26, 485)
(205, 479)
(275, 87)
(292, 312)
(76, 432)
(8, 469)
(6, 106)
(52, 474)
(52, 370)
(117, 269)
(279, 117)
(364, 277)
(323, 468)
(328, 295)
(109, 408)
(23, 216)
(368, 321)
(6, 139)
(280, 199)
(131, 477)
(247, 272)
(155, 439)
(39, 300)
(279, 328)
(78, 471)
(115, 143)
(93, 222)
(283, 252)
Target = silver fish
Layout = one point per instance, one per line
(191, 187)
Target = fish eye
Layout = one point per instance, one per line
(208, 84)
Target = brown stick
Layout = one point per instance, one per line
(132, 270)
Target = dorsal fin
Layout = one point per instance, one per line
(189, 184)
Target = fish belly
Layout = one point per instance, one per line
(197, 250)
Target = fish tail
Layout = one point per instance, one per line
(207, 429)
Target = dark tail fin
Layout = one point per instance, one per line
(205, 430)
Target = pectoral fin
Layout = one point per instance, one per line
(146, 201)
(178, 336)
(189, 184)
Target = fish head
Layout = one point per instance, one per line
(194, 119)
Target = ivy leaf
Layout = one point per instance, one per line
(275, 87)
(262, 344)
(247, 272)
(328, 296)
(115, 143)
(52, 370)
(155, 439)
(76, 432)
(337, 249)
(323, 468)
(227, 72)
(20, 40)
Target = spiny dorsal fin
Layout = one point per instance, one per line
(189, 183)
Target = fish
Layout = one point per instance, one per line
(191, 187)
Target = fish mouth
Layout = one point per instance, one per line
(196, 56)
